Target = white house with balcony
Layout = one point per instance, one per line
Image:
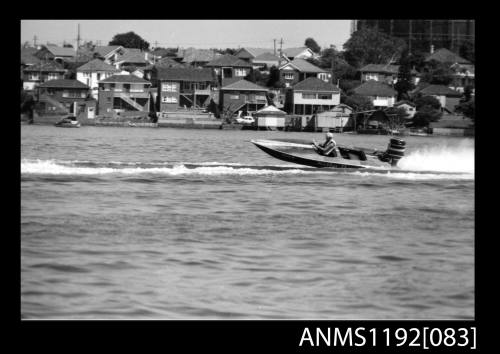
(311, 96)
(381, 95)
(94, 71)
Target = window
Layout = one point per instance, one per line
(34, 77)
(288, 76)
(234, 97)
(309, 96)
(323, 76)
(371, 77)
(86, 75)
(169, 87)
(240, 72)
(118, 87)
(136, 88)
(52, 76)
(260, 98)
(169, 99)
(65, 93)
(324, 96)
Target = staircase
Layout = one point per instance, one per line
(132, 102)
(55, 103)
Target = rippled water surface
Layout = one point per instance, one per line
(200, 224)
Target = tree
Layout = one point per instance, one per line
(397, 117)
(467, 51)
(370, 46)
(425, 116)
(437, 73)
(311, 44)
(274, 77)
(331, 59)
(468, 109)
(404, 84)
(422, 101)
(68, 45)
(467, 93)
(357, 103)
(129, 40)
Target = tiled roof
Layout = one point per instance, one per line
(190, 55)
(293, 52)
(64, 84)
(228, 60)
(399, 103)
(315, 84)
(444, 55)
(380, 68)
(439, 90)
(304, 66)
(97, 65)
(125, 79)
(184, 74)
(50, 66)
(133, 56)
(28, 57)
(374, 88)
(254, 52)
(270, 110)
(61, 51)
(244, 85)
(105, 49)
(266, 57)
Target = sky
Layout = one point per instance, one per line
(195, 33)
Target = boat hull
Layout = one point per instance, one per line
(304, 154)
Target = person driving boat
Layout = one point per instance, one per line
(328, 148)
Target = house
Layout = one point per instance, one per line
(265, 61)
(408, 106)
(381, 95)
(299, 70)
(446, 56)
(108, 53)
(131, 59)
(386, 73)
(120, 94)
(299, 52)
(463, 76)
(61, 96)
(446, 96)
(270, 117)
(28, 57)
(39, 73)
(229, 66)
(335, 119)
(452, 125)
(183, 87)
(196, 57)
(52, 52)
(93, 72)
(242, 95)
(310, 96)
(248, 54)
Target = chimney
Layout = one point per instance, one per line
(432, 48)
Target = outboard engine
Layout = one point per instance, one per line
(395, 151)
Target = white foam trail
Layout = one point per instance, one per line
(49, 167)
(458, 159)
(412, 176)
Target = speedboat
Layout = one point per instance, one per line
(68, 122)
(304, 153)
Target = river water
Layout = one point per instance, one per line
(144, 223)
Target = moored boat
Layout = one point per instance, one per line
(68, 122)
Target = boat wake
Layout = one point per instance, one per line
(30, 167)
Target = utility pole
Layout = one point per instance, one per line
(274, 40)
(34, 40)
(78, 39)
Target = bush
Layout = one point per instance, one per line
(425, 115)
(422, 101)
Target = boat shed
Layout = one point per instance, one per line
(270, 117)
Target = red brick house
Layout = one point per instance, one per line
(60, 96)
(242, 95)
(183, 87)
(36, 74)
(229, 66)
(123, 93)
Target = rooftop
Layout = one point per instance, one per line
(444, 55)
(63, 83)
(244, 85)
(124, 79)
(184, 74)
(254, 52)
(304, 66)
(375, 88)
(190, 55)
(380, 68)
(293, 52)
(50, 66)
(61, 51)
(439, 90)
(228, 60)
(315, 84)
(97, 65)
(105, 49)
